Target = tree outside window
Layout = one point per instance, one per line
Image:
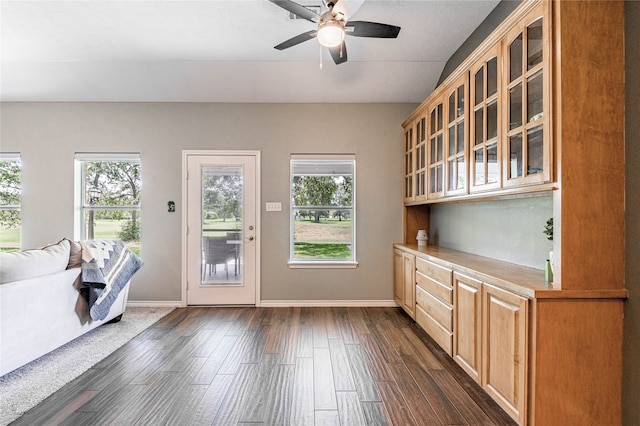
(322, 209)
(10, 201)
(111, 200)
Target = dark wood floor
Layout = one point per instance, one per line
(278, 366)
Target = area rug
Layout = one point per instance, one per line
(29, 385)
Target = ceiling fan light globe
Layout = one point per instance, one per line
(330, 34)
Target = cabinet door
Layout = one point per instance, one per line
(409, 164)
(455, 136)
(409, 277)
(467, 324)
(527, 151)
(398, 274)
(420, 176)
(504, 349)
(485, 131)
(435, 152)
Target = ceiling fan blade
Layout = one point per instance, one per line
(346, 8)
(339, 53)
(298, 10)
(371, 29)
(300, 38)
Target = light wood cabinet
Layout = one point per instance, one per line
(409, 280)
(456, 137)
(435, 146)
(404, 281)
(434, 302)
(504, 349)
(467, 344)
(485, 159)
(527, 89)
(398, 277)
(559, 109)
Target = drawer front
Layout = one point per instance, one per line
(439, 311)
(434, 271)
(442, 336)
(436, 288)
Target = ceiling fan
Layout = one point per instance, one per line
(333, 25)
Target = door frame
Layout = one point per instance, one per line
(185, 155)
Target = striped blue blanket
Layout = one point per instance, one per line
(107, 267)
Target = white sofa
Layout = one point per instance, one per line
(40, 306)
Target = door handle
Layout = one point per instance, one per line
(250, 238)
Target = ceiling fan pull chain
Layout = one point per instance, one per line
(320, 57)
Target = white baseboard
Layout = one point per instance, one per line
(154, 304)
(328, 303)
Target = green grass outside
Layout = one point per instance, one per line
(104, 230)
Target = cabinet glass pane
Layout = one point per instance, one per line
(492, 120)
(461, 173)
(439, 118)
(432, 157)
(460, 136)
(515, 106)
(492, 76)
(452, 174)
(423, 163)
(423, 129)
(440, 147)
(460, 101)
(439, 177)
(492, 163)
(515, 156)
(479, 166)
(433, 121)
(478, 133)
(409, 192)
(432, 180)
(410, 162)
(515, 58)
(534, 44)
(452, 140)
(535, 154)
(534, 97)
(452, 107)
(479, 85)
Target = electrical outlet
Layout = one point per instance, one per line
(274, 207)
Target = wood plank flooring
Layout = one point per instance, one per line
(274, 366)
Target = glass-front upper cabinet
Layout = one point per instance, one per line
(527, 150)
(436, 150)
(420, 131)
(409, 163)
(455, 137)
(485, 134)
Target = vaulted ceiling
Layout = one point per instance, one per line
(221, 51)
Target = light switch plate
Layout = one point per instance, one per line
(274, 207)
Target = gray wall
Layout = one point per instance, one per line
(48, 134)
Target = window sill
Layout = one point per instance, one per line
(297, 264)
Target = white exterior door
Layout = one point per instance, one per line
(221, 254)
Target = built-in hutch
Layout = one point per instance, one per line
(537, 108)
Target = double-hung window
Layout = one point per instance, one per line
(108, 197)
(323, 214)
(10, 201)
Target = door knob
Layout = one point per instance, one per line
(250, 238)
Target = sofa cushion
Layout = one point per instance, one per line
(75, 255)
(17, 266)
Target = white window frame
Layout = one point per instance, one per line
(324, 263)
(81, 208)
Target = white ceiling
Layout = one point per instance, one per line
(221, 51)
